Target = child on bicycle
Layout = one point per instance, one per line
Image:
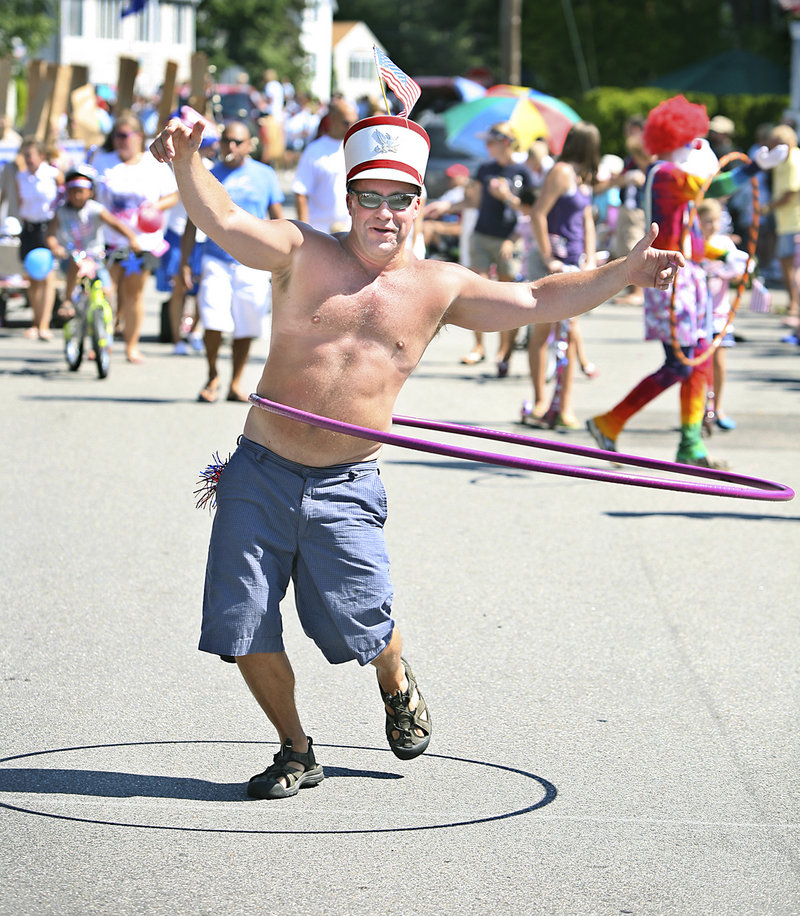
(77, 225)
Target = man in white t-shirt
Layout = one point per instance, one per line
(319, 186)
(273, 93)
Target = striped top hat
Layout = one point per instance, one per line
(386, 147)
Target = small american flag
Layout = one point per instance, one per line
(406, 90)
(760, 299)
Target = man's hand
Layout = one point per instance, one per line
(500, 189)
(177, 141)
(651, 266)
(635, 177)
(435, 209)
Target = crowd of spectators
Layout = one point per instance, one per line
(517, 197)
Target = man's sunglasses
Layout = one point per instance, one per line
(372, 200)
(232, 141)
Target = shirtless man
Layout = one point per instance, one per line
(352, 316)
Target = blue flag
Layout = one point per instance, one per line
(135, 6)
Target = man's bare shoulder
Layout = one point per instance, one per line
(441, 284)
(436, 281)
(451, 272)
(432, 275)
(310, 242)
(445, 268)
(318, 260)
(315, 239)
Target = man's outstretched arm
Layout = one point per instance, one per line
(265, 244)
(485, 305)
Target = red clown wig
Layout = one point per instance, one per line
(673, 124)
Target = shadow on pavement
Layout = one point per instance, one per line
(113, 784)
(708, 516)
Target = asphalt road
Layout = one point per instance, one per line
(612, 671)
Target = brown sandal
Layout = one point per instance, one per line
(400, 718)
(268, 784)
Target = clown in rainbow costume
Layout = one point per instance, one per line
(684, 166)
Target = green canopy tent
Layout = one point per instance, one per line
(730, 73)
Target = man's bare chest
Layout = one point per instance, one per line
(400, 309)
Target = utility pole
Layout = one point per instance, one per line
(577, 48)
(794, 71)
(510, 57)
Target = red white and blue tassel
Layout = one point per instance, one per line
(206, 492)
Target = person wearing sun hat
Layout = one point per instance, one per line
(720, 135)
(352, 316)
(784, 206)
(495, 187)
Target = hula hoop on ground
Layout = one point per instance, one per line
(736, 486)
(742, 282)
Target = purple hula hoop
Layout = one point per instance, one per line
(737, 486)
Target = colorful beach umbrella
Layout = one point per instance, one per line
(466, 122)
(557, 115)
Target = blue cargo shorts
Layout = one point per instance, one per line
(320, 527)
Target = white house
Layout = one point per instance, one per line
(354, 73)
(93, 33)
(316, 37)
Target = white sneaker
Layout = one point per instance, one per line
(180, 349)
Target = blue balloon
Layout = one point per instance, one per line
(38, 263)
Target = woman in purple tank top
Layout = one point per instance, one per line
(563, 226)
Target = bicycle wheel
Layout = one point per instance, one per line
(101, 338)
(74, 333)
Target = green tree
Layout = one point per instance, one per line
(569, 45)
(253, 35)
(32, 21)
(432, 37)
(616, 44)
